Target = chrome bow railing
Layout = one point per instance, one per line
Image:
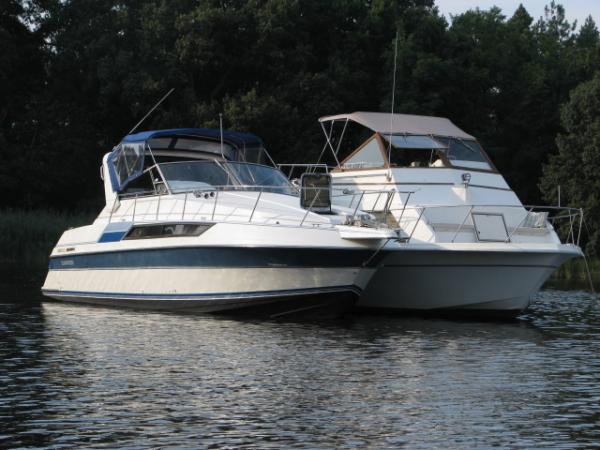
(390, 209)
(517, 219)
(252, 204)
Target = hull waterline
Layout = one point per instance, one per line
(321, 303)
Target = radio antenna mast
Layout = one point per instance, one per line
(150, 112)
(221, 133)
(393, 97)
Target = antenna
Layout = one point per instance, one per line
(393, 96)
(221, 131)
(150, 112)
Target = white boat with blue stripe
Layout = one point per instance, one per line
(196, 220)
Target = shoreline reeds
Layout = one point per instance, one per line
(27, 237)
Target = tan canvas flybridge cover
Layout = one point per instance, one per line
(402, 123)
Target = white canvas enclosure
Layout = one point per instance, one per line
(386, 123)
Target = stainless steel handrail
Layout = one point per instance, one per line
(572, 215)
(155, 200)
(255, 205)
(556, 213)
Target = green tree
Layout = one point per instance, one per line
(501, 79)
(21, 82)
(75, 75)
(575, 167)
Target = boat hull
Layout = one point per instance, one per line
(463, 282)
(264, 290)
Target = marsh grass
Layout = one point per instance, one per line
(27, 237)
(574, 271)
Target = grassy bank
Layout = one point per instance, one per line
(27, 237)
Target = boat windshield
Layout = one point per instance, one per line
(184, 176)
(465, 153)
(430, 151)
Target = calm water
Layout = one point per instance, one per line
(77, 376)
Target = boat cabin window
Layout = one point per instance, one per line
(166, 230)
(415, 151)
(368, 156)
(436, 151)
(465, 153)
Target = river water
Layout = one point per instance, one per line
(78, 376)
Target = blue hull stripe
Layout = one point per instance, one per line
(217, 257)
(200, 296)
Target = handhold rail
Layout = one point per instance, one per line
(556, 213)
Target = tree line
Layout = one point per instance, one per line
(75, 75)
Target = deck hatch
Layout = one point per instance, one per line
(490, 227)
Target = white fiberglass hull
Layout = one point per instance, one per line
(210, 279)
(492, 280)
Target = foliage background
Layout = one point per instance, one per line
(75, 75)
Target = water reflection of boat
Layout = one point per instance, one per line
(195, 221)
(468, 243)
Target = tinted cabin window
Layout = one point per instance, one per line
(142, 184)
(166, 230)
(465, 153)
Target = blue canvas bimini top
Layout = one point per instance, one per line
(234, 138)
(127, 159)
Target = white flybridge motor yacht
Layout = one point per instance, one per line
(194, 221)
(467, 242)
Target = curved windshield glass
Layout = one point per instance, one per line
(193, 175)
(266, 177)
(205, 175)
(465, 153)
